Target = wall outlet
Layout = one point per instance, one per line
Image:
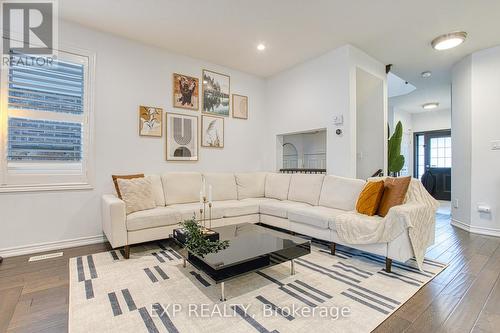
(495, 145)
(455, 203)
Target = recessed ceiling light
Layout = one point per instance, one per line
(426, 74)
(430, 106)
(261, 47)
(448, 41)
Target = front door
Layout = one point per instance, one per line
(433, 154)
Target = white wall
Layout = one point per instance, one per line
(475, 177)
(129, 74)
(370, 138)
(308, 96)
(431, 120)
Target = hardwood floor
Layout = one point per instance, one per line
(463, 298)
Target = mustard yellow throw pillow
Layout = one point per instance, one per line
(370, 197)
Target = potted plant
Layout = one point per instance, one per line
(396, 161)
(197, 240)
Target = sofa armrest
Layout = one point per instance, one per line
(114, 220)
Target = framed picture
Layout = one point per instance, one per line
(150, 121)
(182, 137)
(212, 131)
(185, 92)
(215, 93)
(240, 106)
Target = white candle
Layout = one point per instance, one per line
(201, 196)
(203, 189)
(209, 193)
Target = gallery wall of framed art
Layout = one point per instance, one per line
(215, 93)
(150, 121)
(212, 131)
(183, 134)
(185, 92)
(182, 137)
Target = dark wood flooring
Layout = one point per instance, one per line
(463, 298)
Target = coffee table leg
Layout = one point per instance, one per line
(222, 293)
(292, 267)
(184, 262)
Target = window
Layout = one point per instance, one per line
(420, 155)
(441, 152)
(45, 113)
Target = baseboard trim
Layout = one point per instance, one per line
(475, 229)
(50, 246)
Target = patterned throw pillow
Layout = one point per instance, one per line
(115, 181)
(369, 198)
(394, 193)
(137, 194)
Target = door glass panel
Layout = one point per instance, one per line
(440, 152)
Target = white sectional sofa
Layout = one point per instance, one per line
(306, 204)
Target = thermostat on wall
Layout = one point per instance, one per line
(338, 120)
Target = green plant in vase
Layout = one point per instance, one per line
(198, 243)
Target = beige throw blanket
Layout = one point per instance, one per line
(417, 215)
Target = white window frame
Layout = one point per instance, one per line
(53, 177)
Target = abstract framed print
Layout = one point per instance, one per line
(212, 131)
(215, 93)
(240, 106)
(185, 92)
(150, 121)
(182, 137)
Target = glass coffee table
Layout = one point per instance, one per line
(251, 248)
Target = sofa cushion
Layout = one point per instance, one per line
(186, 211)
(251, 184)
(157, 190)
(280, 208)
(181, 187)
(223, 186)
(305, 188)
(340, 192)
(152, 218)
(234, 208)
(317, 216)
(277, 186)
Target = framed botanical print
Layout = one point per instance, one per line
(150, 121)
(215, 93)
(185, 92)
(212, 131)
(182, 137)
(240, 106)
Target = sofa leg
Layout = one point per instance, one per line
(388, 265)
(332, 248)
(126, 250)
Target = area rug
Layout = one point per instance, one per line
(153, 292)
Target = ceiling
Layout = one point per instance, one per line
(227, 32)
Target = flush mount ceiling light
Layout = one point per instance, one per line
(426, 74)
(430, 106)
(261, 47)
(449, 41)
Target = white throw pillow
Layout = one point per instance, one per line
(251, 185)
(340, 192)
(305, 188)
(137, 193)
(157, 190)
(277, 185)
(223, 186)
